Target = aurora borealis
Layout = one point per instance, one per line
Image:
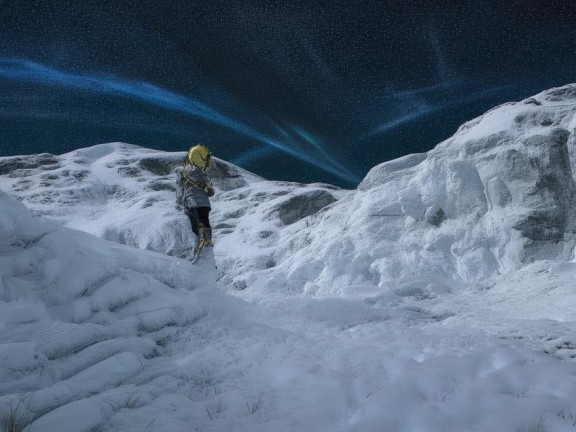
(296, 91)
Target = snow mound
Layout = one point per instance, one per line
(117, 191)
(83, 322)
(126, 194)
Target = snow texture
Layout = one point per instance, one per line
(438, 296)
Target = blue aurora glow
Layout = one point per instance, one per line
(313, 142)
(425, 109)
(251, 155)
(30, 71)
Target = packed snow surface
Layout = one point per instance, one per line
(438, 296)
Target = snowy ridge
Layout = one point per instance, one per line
(126, 194)
(113, 191)
(497, 195)
(438, 296)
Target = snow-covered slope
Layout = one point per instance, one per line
(438, 296)
(97, 336)
(81, 317)
(497, 195)
(116, 191)
(125, 193)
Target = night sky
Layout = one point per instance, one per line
(291, 90)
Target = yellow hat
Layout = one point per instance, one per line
(199, 156)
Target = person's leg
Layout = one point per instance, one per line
(204, 216)
(194, 220)
(205, 229)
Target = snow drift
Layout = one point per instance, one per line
(80, 316)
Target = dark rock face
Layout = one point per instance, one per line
(300, 206)
(561, 93)
(552, 195)
(160, 166)
(235, 214)
(161, 186)
(128, 171)
(435, 215)
(505, 182)
(543, 226)
(225, 177)
(44, 161)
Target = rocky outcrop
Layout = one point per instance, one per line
(302, 205)
(43, 161)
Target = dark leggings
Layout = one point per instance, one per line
(199, 215)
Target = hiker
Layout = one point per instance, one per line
(195, 190)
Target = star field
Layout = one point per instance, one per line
(303, 91)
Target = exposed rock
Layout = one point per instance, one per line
(160, 186)
(543, 225)
(43, 160)
(497, 194)
(300, 206)
(561, 93)
(435, 215)
(160, 166)
(550, 193)
(226, 176)
(128, 171)
(265, 234)
(235, 214)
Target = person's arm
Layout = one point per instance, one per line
(209, 188)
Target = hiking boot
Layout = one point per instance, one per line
(200, 242)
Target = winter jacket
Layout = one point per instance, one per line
(194, 188)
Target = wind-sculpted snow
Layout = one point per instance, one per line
(497, 195)
(81, 317)
(126, 194)
(116, 191)
(438, 296)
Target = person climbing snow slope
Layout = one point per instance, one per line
(195, 188)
